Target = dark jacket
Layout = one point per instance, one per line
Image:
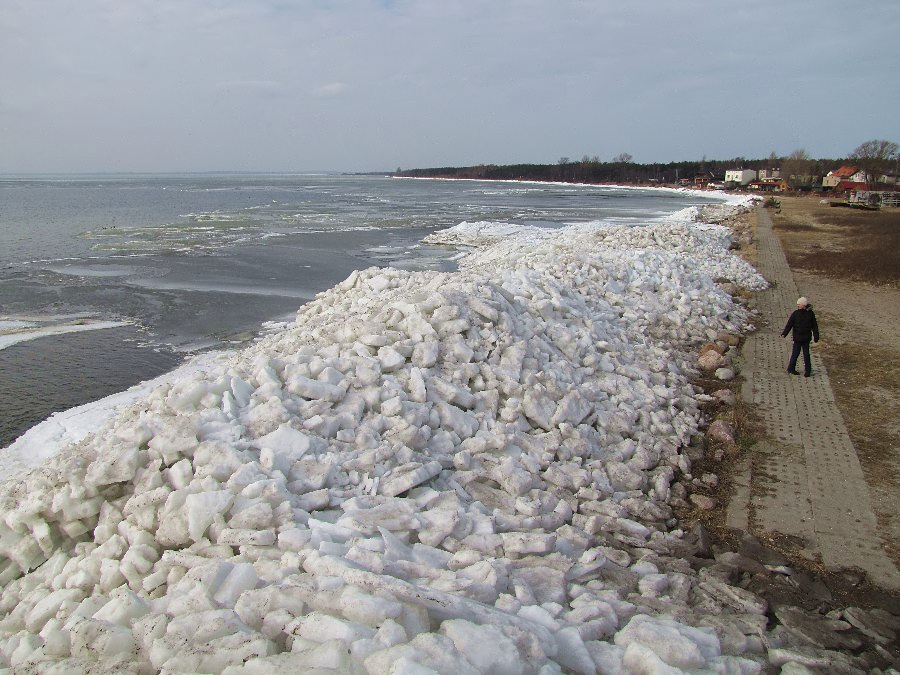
(803, 323)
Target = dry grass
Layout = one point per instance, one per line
(864, 378)
(841, 243)
(721, 460)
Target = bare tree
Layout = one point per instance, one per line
(875, 158)
(622, 158)
(797, 169)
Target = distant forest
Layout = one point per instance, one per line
(595, 171)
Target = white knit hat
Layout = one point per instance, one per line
(802, 302)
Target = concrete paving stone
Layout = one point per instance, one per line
(839, 552)
(737, 514)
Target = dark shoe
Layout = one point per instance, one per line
(793, 372)
(807, 374)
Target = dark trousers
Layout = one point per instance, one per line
(795, 352)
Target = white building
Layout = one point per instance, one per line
(740, 176)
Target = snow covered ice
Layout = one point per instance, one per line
(461, 472)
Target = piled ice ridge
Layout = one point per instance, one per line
(464, 472)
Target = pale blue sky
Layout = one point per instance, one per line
(358, 85)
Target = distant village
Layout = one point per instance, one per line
(848, 181)
(845, 179)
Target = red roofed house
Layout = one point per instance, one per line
(846, 178)
(850, 178)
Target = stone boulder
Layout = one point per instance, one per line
(722, 432)
(724, 374)
(711, 360)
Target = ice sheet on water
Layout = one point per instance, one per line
(14, 324)
(100, 270)
(13, 331)
(203, 232)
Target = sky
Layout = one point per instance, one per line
(373, 85)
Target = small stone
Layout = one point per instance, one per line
(711, 360)
(721, 431)
(702, 540)
(725, 396)
(753, 548)
(730, 339)
(778, 588)
(711, 347)
(724, 374)
(703, 502)
(740, 562)
(811, 586)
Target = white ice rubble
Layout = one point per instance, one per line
(461, 472)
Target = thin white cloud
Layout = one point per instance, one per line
(330, 90)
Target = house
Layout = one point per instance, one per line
(769, 185)
(702, 180)
(845, 174)
(739, 177)
(769, 174)
(849, 178)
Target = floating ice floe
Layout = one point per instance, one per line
(14, 331)
(462, 472)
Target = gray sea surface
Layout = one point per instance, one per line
(196, 262)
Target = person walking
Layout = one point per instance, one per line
(802, 324)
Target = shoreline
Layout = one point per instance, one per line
(95, 410)
(727, 197)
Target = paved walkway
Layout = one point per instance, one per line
(805, 482)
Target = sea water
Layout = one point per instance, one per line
(169, 265)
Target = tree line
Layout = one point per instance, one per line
(799, 169)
